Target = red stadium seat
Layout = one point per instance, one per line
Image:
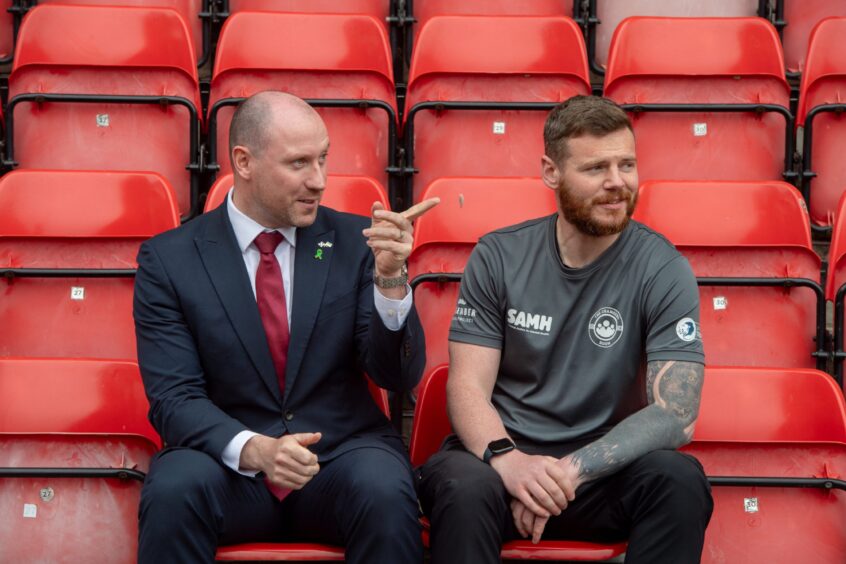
(835, 289)
(105, 88)
(334, 61)
(351, 194)
(425, 10)
(68, 242)
(75, 445)
(379, 9)
(707, 96)
(801, 16)
(446, 235)
(773, 443)
(7, 31)
(479, 91)
(431, 425)
(822, 99)
(749, 245)
(611, 12)
(189, 10)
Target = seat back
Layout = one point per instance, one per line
(534, 61)
(351, 194)
(7, 30)
(823, 84)
(316, 57)
(189, 10)
(72, 414)
(779, 423)
(611, 12)
(425, 10)
(801, 17)
(708, 62)
(446, 235)
(431, 422)
(93, 221)
(95, 51)
(762, 234)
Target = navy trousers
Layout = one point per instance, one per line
(363, 500)
(661, 504)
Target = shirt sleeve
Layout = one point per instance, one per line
(393, 312)
(672, 314)
(478, 314)
(231, 454)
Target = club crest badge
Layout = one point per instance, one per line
(605, 327)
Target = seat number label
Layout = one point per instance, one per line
(77, 293)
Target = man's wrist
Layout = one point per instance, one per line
(396, 279)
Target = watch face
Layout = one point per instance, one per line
(501, 446)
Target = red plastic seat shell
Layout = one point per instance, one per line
(72, 413)
(757, 230)
(103, 50)
(85, 204)
(653, 46)
(73, 219)
(323, 42)
(802, 16)
(189, 10)
(126, 37)
(499, 45)
(824, 82)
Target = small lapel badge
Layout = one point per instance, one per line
(318, 254)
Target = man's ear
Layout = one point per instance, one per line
(550, 173)
(241, 161)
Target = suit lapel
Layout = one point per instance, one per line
(222, 259)
(315, 246)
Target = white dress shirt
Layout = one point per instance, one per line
(392, 312)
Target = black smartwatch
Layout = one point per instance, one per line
(497, 447)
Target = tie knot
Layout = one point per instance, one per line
(268, 241)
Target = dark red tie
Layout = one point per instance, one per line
(270, 295)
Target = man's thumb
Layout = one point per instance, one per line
(307, 439)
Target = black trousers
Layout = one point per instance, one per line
(363, 500)
(661, 504)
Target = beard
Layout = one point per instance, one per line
(579, 212)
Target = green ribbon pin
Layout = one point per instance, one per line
(318, 254)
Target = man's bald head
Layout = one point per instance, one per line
(256, 116)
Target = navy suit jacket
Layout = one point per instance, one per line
(204, 357)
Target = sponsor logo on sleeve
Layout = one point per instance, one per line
(687, 330)
(534, 323)
(605, 327)
(464, 313)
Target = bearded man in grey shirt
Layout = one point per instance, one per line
(576, 367)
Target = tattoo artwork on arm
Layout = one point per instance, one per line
(673, 391)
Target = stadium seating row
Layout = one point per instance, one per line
(93, 87)
(75, 445)
(403, 20)
(68, 241)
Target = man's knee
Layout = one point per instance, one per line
(380, 486)
(458, 482)
(681, 482)
(180, 479)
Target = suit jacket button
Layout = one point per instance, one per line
(288, 416)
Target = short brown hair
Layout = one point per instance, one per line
(578, 116)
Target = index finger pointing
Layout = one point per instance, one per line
(417, 210)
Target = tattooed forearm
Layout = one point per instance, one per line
(673, 389)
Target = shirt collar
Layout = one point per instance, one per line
(246, 229)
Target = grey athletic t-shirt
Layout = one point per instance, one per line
(573, 341)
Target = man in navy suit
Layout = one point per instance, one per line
(252, 356)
